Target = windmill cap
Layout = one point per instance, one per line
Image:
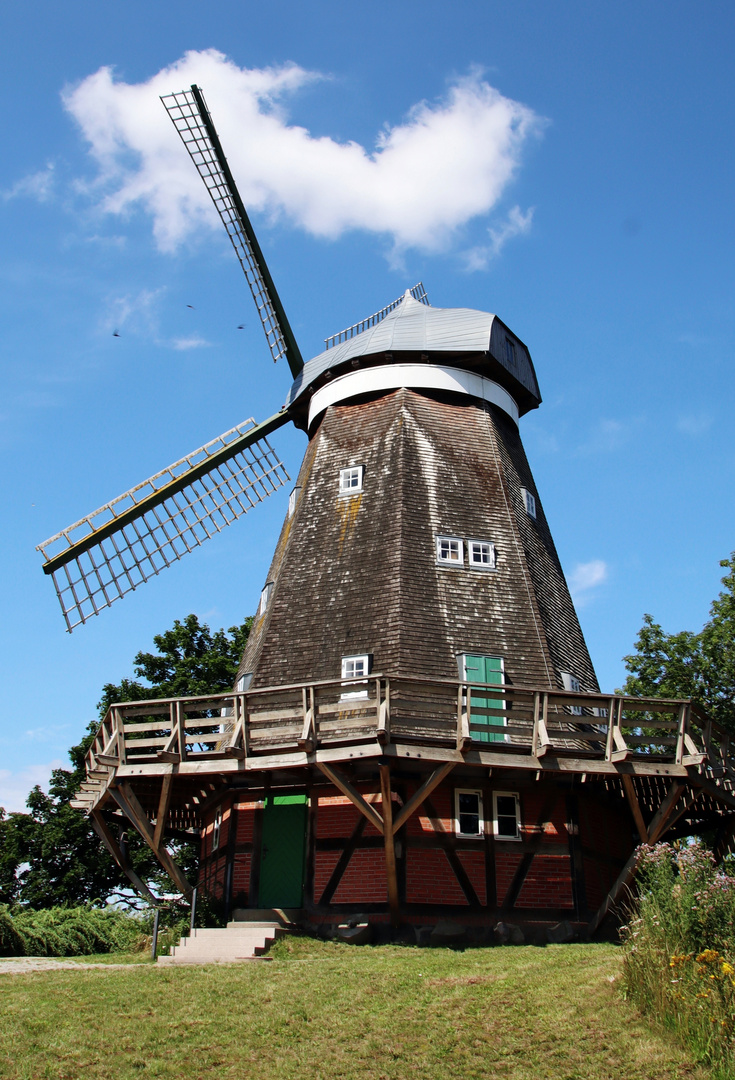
(459, 337)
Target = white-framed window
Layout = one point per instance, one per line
(217, 828)
(468, 817)
(292, 500)
(481, 554)
(355, 668)
(570, 682)
(506, 815)
(350, 480)
(265, 597)
(529, 501)
(243, 683)
(449, 551)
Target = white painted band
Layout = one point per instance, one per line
(414, 376)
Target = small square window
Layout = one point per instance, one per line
(354, 668)
(482, 554)
(350, 480)
(507, 815)
(450, 549)
(243, 683)
(510, 352)
(529, 501)
(216, 829)
(265, 597)
(468, 819)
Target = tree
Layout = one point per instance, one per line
(51, 855)
(700, 666)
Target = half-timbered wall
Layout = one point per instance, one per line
(574, 841)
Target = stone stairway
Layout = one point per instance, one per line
(237, 941)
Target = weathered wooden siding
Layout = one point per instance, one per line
(359, 574)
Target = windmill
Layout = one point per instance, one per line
(416, 710)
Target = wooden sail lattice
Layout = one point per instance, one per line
(191, 118)
(108, 553)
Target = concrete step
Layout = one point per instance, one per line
(224, 945)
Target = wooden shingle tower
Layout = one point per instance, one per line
(416, 730)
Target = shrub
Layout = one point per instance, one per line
(679, 945)
(69, 932)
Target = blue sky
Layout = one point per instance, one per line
(566, 166)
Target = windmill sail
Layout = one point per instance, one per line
(191, 119)
(111, 551)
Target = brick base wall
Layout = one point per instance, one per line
(573, 842)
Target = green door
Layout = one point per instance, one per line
(484, 669)
(283, 851)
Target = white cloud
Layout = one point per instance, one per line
(516, 224)
(135, 312)
(585, 578)
(694, 424)
(447, 163)
(37, 185)
(15, 787)
(192, 342)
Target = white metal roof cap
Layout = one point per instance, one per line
(411, 327)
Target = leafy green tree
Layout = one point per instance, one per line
(51, 855)
(700, 666)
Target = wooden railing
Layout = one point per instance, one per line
(311, 716)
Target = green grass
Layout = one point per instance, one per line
(325, 1011)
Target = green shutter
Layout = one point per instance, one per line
(484, 669)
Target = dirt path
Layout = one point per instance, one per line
(26, 965)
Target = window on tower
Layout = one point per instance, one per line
(449, 551)
(292, 500)
(354, 669)
(482, 554)
(529, 501)
(265, 597)
(571, 682)
(350, 480)
(510, 352)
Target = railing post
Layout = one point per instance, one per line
(154, 943)
(383, 708)
(681, 732)
(536, 719)
(181, 730)
(120, 729)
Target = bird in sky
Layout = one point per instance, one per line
(115, 333)
(190, 306)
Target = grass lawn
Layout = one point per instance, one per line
(324, 1011)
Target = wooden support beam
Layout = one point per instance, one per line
(422, 793)
(658, 826)
(342, 783)
(389, 845)
(102, 829)
(635, 806)
(127, 800)
(163, 804)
